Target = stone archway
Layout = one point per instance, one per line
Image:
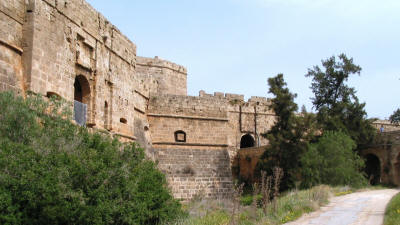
(81, 89)
(247, 141)
(397, 170)
(82, 99)
(373, 168)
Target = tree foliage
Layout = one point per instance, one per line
(395, 117)
(338, 108)
(332, 161)
(288, 137)
(53, 172)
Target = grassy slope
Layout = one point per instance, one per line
(290, 207)
(392, 214)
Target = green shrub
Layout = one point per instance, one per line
(392, 214)
(53, 172)
(332, 161)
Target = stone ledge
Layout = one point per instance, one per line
(13, 17)
(189, 117)
(13, 47)
(140, 110)
(189, 144)
(124, 136)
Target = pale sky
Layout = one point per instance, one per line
(233, 46)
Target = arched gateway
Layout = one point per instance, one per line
(82, 99)
(373, 169)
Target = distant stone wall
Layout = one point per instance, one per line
(194, 172)
(387, 149)
(386, 124)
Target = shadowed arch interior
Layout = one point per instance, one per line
(106, 115)
(81, 89)
(247, 141)
(373, 169)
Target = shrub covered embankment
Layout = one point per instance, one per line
(54, 172)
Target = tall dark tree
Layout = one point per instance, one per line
(289, 136)
(336, 103)
(395, 117)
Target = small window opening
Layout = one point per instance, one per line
(180, 136)
(105, 115)
(123, 120)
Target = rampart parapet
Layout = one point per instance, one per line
(238, 98)
(160, 63)
(171, 78)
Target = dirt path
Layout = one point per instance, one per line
(361, 208)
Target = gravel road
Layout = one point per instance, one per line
(360, 208)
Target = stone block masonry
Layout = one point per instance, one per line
(12, 15)
(196, 172)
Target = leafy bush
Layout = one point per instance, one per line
(392, 212)
(332, 161)
(53, 172)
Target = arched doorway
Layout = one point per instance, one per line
(81, 89)
(373, 169)
(82, 99)
(247, 141)
(397, 172)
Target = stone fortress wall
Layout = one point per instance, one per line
(213, 127)
(68, 49)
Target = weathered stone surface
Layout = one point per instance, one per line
(196, 172)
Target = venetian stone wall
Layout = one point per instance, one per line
(48, 46)
(71, 39)
(12, 16)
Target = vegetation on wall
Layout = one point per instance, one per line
(54, 172)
